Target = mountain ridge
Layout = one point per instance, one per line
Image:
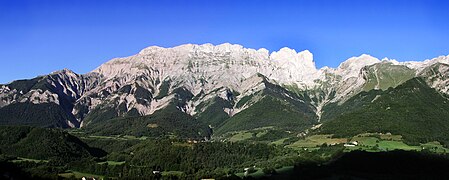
(188, 76)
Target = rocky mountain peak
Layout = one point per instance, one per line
(351, 67)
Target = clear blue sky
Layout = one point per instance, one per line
(41, 36)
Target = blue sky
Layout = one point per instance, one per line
(41, 36)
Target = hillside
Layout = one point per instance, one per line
(413, 109)
(381, 165)
(43, 144)
(269, 112)
(168, 122)
(39, 115)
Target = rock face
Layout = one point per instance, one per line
(192, 77)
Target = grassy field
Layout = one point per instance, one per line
(279, 142)
(253, 135)
(79, 175)
(316, 140)
(395, 145)
(123, 138)
(387, 142)
(112, 163)
(371, 142)
(391, 137)
(383, 136)
(81, 134)
(261, 133)
(240, 136)
(266, 135)
(434, 147)
(256, 174)
(134, 137)
(365, 141)
(170, 173)
(20, 159)
(259, 172)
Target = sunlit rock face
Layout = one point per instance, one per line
(191, 75)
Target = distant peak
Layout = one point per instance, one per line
(363, 57)
(352, 66)
(286, 53)
(287, 49)
(290, 59)
(207, 47)
(362, 60)
(264, 51)
(306, 54)
(150, 49)
(63, 71)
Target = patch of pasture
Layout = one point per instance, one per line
(112, 163)
(316, 141)
(21, 159)
(240, 136)
(79, 175)
(279, 141)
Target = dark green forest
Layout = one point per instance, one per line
(413, 110)
(166, 122)
(56, 151)
(39, 153)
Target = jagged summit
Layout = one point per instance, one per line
(352, 66)
(284, 53)
(285, 65)
(65, 70)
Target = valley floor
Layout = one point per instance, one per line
(259, 153)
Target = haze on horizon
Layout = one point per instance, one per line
(38, 37)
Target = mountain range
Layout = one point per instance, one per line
(196, 91)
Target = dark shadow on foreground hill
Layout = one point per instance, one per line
(380, 165)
